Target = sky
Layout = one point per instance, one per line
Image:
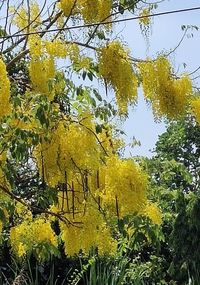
(165, 34)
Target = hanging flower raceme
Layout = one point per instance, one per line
(152, 211)
(5, 199)
(90, 232)
(41, 71)
(36, 47)
(42, 65)
(116, 69)
(56, 48)
(145, 19)
(169, 96)
(95, 10)
(5, 106)
(90, 10)
(68, 6)
(27, 18)
(71, 147)
(124, 187)
(33, 236)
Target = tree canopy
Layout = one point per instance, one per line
(62, 176)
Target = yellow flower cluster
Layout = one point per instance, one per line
(3, 180)
(115, 67)
(152, 211)
(40, 48)
(74, 52)
(56, 48)
(78, 61)
(32, 236)
(110, 143)
(23, 212)
(87, 185)
(70, 148)
(90, 10)
(169, 97)
(41, 71)
(69, 7)
(124, 189)
(145, 20)
(25, 18)
(5, 106)
(119, 187)
(35, 46)
(92, 231)
(95, 10)
(42, 67)
(84, 63)
(195, 106)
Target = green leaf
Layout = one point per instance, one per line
(2, 215)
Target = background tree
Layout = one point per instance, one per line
(174, 180)
(181, 143)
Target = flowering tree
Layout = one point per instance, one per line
(62, 178)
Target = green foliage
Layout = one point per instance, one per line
(175, 184)
(185, 238)
(181, 142)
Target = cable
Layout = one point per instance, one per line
(102, 23)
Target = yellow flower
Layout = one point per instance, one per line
(21, 250)
(22, 19)
(35, 46)
(90, 233)
(68, 7)
(5, 106)
(145, 20)
(152, 211)
(116, 69)
(169, 96)
(41, 71)
(56, 48)
(90, 10)
(31, 235)
(71, 147)
(125, 186)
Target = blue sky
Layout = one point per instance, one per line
(166, 33)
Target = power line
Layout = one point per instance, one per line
(103, 23)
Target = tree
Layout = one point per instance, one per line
(181, 143)
(177, 157)
(61, 170)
